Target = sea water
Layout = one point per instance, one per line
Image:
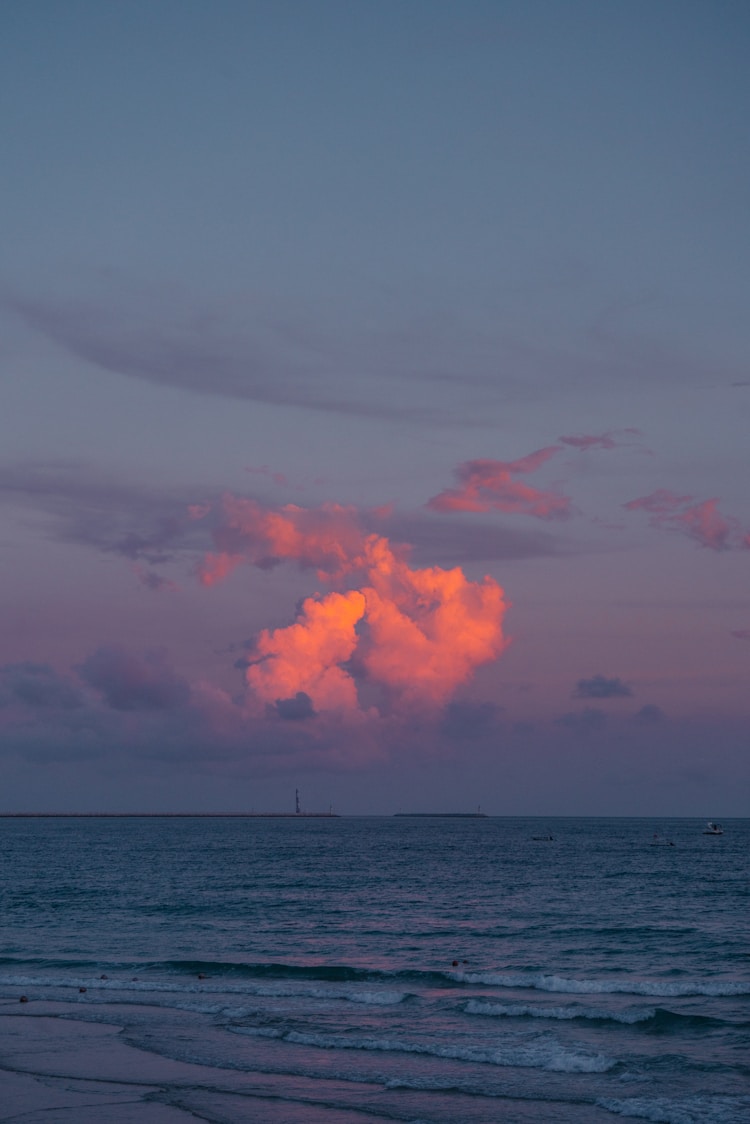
(422, 970)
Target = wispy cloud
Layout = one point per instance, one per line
(263, 359)
(699, 520)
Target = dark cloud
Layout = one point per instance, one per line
(598, 687)
(91, 508)
(131, 682)
(583, 721)
(295, 709)
(467, 721)
(433, 538)
(649, 714)
(270, 361)
(38, 686)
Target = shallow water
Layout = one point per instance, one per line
(421, 970)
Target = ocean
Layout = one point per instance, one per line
(351, 970)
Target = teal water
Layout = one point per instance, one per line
(417, 970)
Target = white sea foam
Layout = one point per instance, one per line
(681, 1110)
(521, 1010)
(539, 1054)
(385, 997)
(663, 988)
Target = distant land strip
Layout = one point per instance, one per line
(445, 815)
(170, 815)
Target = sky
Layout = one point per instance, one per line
(375, 398)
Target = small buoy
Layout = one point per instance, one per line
(134, 978)
(201, 976)
(103, 977)
(466, 962)
(455, 963)
(23, 999)
(81, 989)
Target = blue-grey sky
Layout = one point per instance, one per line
(375, 255)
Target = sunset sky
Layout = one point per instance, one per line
(376, 390)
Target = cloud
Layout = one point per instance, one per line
(598, 687)
(583, 721)
(607, 440)
(602, 441)
(295, 709)
(413, 635)
(151, 580)
(307, 656)
(130, 682)
(463, 721)
(649, 714)
(487, 485)
(328, 538)
(92, 508)
(700, 521)
(260, 358)
(37, 686)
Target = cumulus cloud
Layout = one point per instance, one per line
(487, 485)
(599, 687)
(131, 682)
(413, 634)
(699, 520)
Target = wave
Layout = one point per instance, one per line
(539, 1054)
(526, 1010)
(370, 997)
(650, 1017)
(561, 984)
(345, 973)
(681, 1110)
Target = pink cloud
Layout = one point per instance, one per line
(486, 485)
(327, 538)
(603, 441)
(264, 470)
(701, 521)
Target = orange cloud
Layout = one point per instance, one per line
(417, 634)
(306, 656)
(486, 485)
(428, 629)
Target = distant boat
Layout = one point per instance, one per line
(712, 828)
(543, 838)
(660, 840)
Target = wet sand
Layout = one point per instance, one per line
(54, 1068)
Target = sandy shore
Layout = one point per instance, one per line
(61, 1069)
